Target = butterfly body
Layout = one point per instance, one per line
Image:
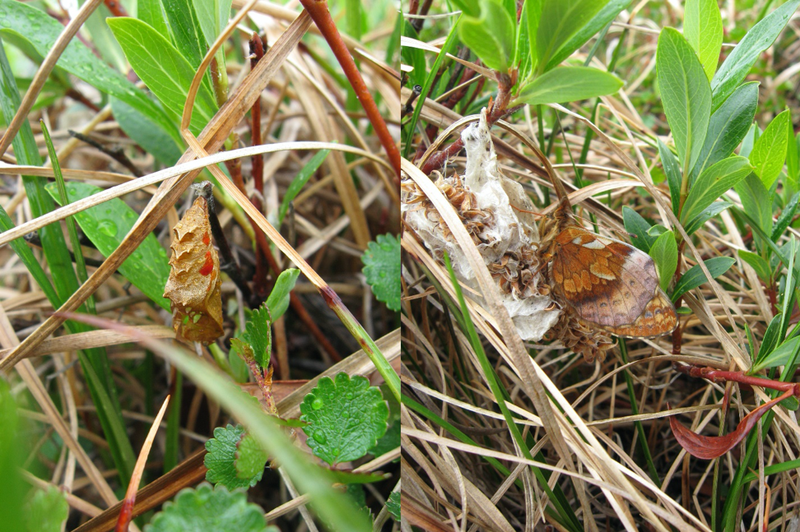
(609, 284)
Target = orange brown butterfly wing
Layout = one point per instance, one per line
(610, 284)
(193, 287)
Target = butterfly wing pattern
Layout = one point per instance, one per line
(610, 285)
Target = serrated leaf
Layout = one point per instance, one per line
(278, 300)
(492, 36)
(757, 262)
(769, 151)
(106, 225)
(638, 228)
(382, 269)
(702, 26)
(738, 63)
(207, 508)
(389, 441)
(345, 418)
(46, 511)
(665, 254)
(713, 183)
(220, 458)
(685, 94)
(250, 460)
(258, 335)
(393, 505)
(694, 277)
(568, 84)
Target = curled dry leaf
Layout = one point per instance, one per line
(710, 447)
(193, 287)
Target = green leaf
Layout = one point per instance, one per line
(103, 39)
(727, 127)
(756, 203)
(309, 478)
(713, 183)
(665, 254)
(207, 508)
(778, 357)
(42, 31)
(213, 17)
(300, 180)
(744, 55)
(769, 151)
(382, 269)
(638, 228)
(607, 13)
(151, 12)
(685, 94)
(568, 84)
(785, 218)
(106, 225)
(771, 336)
(389, 442)
(792, 154)
(709, 212)
(492, 36)
(393, 505)
(560, 21)
(695, 276)
(278, 300)
(758, 263)
(526, 38)
(250, 460)
(345, 418)
(162, 67)
(12, 453)
(46, 511)
(673, 172)
(258, 335)
(185, 29)
(413, 57)
(220, 459)
(702, 27)
(139, 127)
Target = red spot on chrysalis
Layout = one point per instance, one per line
(208, 267)
(206, 239)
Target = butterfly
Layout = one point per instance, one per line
(610, 284)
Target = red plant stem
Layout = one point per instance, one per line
(496, 112)
(256, 53)
(116, 8)
(318, 10)
(719, 375)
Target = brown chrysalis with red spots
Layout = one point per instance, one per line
(193, 287)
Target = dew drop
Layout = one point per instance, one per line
(317, 404)
(320, 437)
(108, 228)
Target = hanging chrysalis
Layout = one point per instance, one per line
(193, 287)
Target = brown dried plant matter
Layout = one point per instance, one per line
(515, 271)
(193, 287)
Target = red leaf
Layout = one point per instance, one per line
(193, 287)
(710, 447)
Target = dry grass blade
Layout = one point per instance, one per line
(212, 138)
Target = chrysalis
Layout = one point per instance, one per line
(193, 287)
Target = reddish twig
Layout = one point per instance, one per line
(318, 10)
(260, 275)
